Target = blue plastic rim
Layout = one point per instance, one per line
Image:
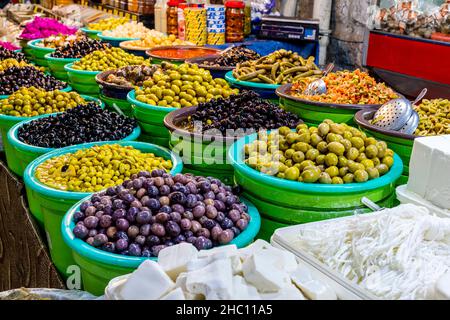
(236, 156)
(68, 68)
(48, 56)
(13, 118)
(131, 97)
(90, 31)
(92, 253)
(33, 44)
(229, 77)
(14, 140)
(36, 185)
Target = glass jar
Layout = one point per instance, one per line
(172, 17)
(181, 21)
(234, 21)
(248, 18)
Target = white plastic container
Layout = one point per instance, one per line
(406, 196)
(324, 41)
(285, 238)
(160, 16)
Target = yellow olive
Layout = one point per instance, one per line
(361, 176)
(357, 142)
(388, 160)
(292, 173)
(333, 171)
(336, 148)
(331, 160)
(310, 176)
(348, 178)
(371, 151)
(325, 178)
(337, 180)
(324, 129)
(373, 173)
(312, 154)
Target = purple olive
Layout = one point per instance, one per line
(111, 232)
(152, 240)
(108, 209)
(158, 230)
(164, 190)
(137, 184)
(131, 214)
(192, 188)
(100, 239)
(168, 180)
(144, 174)
(209, 195)
(134, 250)
(205, 186)
(203, 232)
(236, 231)
(90, 211)
(136, 204)
(146, 253)
(226, 223)
(77, 216)
(177, 197)
(105, 221)
(191, 201)
(122, 224)
(242, 224)
(85, 205)
(121, 244)
(156, 249)
(99, 214)
(209, 224)
(133, 231)
(90, 241)
(225, 236)
(195, 226)
(91, 222)
(180, 238)
(80, 231)
(208, 202)
(111, 191)
(153, 204)
(221, 197)
(234, 215)
(118, 214)
(175, 216)
(178, 208)
(140, 240)
(143, 217)
(198, 211)
(172, 228)
(162, 217)
(220, 216)
(215, 231)
(245, 216)
(109, 247)
(191, 239)
(118, 204)
(145, 230)
(164, 201)
(202, 243)
(141, 193)
(188, 215)
(121, 235)
(153, 191)
(230, 200)
(165, 209)
(211, 212)
(158, 181)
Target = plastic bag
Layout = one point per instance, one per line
(46, 294)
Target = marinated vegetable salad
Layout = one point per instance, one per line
(346, 87)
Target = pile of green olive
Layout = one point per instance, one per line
(331, 153)
(108, 59)
(180, 86)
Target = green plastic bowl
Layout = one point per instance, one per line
(150, 118)
(83, 81)
(313, 113)
(298, 195)
(93, 34)
(98, 267)
(21, 154)
(115, 42)
(56, 65)
(400, 143)
(265, 90)
(49, 205)
(39, 52)
(123, 105)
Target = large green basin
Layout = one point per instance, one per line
(39, 52)
(56, 66)
(265, 90)
(50, 205)
(93, 34)
(98, 267)
(83, 81)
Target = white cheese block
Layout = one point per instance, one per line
(438, 191)
(442, 287)
(282, 259)
(214, 281)
(259, 270)
(174, 259)
(147, 282)
(244, 291)
(222, 252)
(253, 247)
(312, 289)
(176, 294)
(289, 292)
(421, 162)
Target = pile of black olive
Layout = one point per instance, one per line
(82, 124)
(79, 49)
(246, 110)
(9, 54)
(232, 57)
(12, 79)
(156, 210)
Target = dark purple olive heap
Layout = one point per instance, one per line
(82, 124)
(9, 54)
(157, 210)
(245, 110)
(79, 49)
(12, 79)
(232, 57)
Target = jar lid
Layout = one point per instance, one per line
(183, 5)
(235, 4)
(173, 3)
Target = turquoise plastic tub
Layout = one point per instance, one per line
(49, 205)
(265, 90)
(56, 65)
(98, 267)
(21, 154)
(93, 34)
(115, 42)
(39, 52)
(151, 119)
(83, 81)
(316, 200)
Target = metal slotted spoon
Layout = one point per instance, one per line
(412, 124)
(319, 86)
(395, 114)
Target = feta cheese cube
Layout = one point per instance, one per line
(259, 270)
(442, 287)
(253, 247)
(214, 281)
(174, 259)
(176, 294)
(244, 291)
(312, 289)
(147, 282)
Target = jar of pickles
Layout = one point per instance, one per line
(172, 17)
(234, 21)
